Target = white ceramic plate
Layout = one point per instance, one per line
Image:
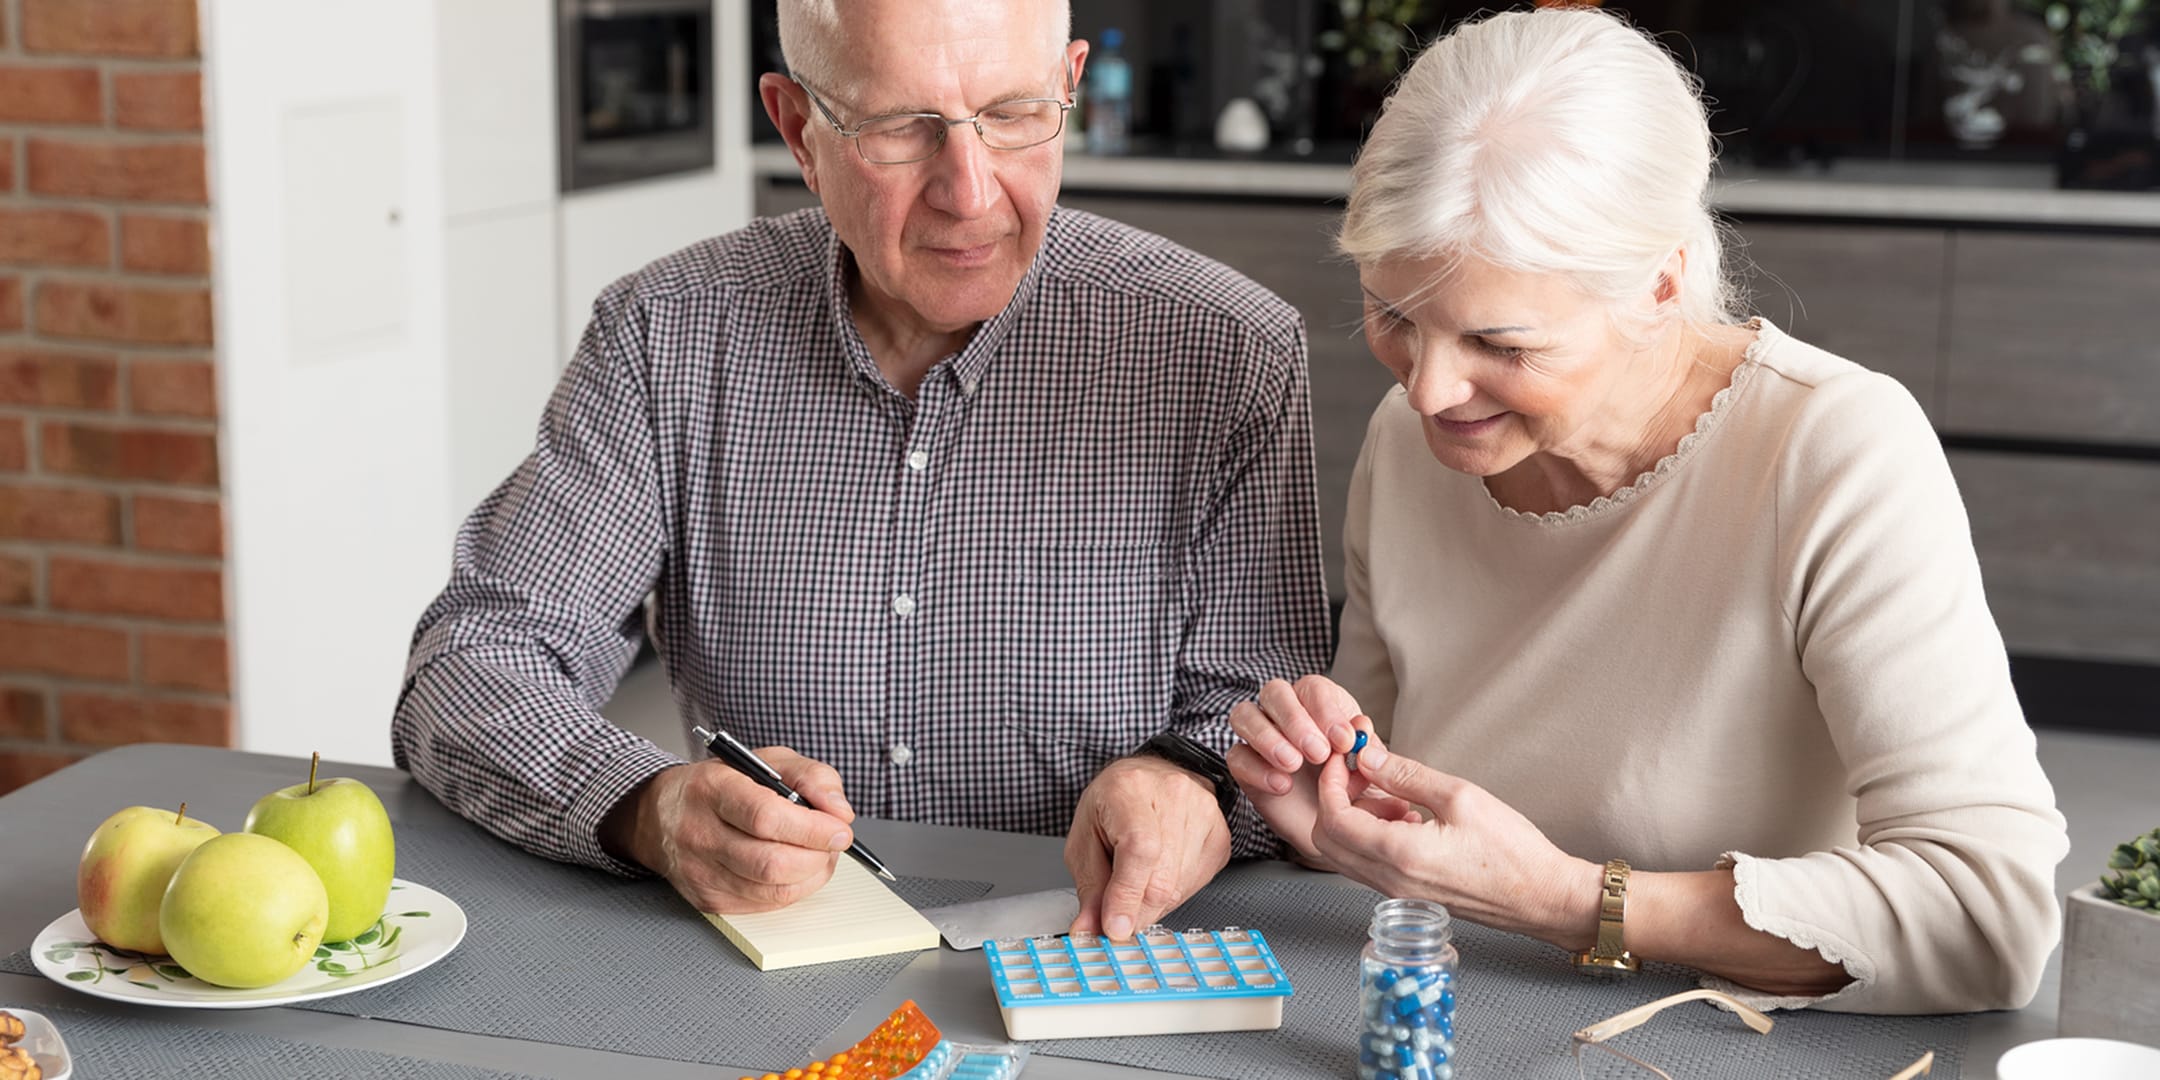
(2052, 1059)
(419, 927)
(43, 1041)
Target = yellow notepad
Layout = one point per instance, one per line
(853, 916)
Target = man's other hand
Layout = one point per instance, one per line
(1146, 836)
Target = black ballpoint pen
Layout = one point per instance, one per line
(725, 747)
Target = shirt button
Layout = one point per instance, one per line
(900, 754)
(918, 461)
(903, 604)
(970, 385)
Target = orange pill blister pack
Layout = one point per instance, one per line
(907, 1046)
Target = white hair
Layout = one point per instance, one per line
(1561, 141)
(812, 40)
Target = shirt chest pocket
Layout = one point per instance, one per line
(1091, 643)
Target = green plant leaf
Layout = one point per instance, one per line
(321, 953)
(339, 946)
(81, 976)
(369, 936)
(57, 955)
(171, 971)
(332, 967)
(74, 944)
(390, 939)
(410, 915)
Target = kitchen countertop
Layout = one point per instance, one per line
(2009, 194)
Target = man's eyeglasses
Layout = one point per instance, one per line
(1622, 1063)
(903, 138)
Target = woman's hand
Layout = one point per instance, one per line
(1284, 738)
(1476, 854)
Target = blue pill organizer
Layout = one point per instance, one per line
(1161, 982)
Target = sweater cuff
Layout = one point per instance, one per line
(1754, 887)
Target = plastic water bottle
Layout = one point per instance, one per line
(1109, 97)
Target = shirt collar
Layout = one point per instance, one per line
(966, 367)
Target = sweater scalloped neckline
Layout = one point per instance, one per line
(1720, 404)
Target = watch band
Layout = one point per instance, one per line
(1610, 956)
(1197, 759)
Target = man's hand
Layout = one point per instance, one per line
(1146, 836)
(728, 845)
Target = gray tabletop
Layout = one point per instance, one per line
(43, 827)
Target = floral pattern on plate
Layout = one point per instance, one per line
(419, 926)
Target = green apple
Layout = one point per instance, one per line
(243, 911)
(125, 868)
(341, 829)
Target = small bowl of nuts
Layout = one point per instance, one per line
(30, 1047)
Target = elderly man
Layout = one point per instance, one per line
(966, 508)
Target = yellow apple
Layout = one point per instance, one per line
(243, 911)
(125, 868)
(341, 829)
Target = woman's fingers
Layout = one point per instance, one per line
(1284, 708)
(1255, 775)
(1332, 709)
(1257, 729)
(1374, 754)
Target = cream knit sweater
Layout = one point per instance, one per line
(1771, 652)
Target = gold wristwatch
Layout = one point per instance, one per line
(1609, 958)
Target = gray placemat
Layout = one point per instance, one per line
(564, 955)
(140, 1047)
(1519, 1003)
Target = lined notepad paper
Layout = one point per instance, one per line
(853, 916)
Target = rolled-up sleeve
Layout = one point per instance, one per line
(1946, 902)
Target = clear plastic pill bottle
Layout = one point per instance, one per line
(1406, 994)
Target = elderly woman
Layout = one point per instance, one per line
(1673, 622)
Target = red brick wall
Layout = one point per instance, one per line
(112, 577)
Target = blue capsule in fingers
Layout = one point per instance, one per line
(1351, 758)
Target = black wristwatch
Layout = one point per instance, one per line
(1198, 760)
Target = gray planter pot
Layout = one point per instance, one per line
(2110, 969)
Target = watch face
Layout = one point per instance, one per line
(1605, 967)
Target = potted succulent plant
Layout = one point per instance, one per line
(2111, 948)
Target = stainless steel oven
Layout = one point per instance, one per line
(635, 82)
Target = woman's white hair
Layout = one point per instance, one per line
(813, 37)
(1560, 141)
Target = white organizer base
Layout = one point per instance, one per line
(1101, 1020)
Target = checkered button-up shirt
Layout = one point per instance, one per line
(1094, 522)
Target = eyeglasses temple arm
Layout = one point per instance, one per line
(1607, 1028)
(1922, 1067)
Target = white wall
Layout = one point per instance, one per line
(397, 285)
(326, 200)
(496, 65)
